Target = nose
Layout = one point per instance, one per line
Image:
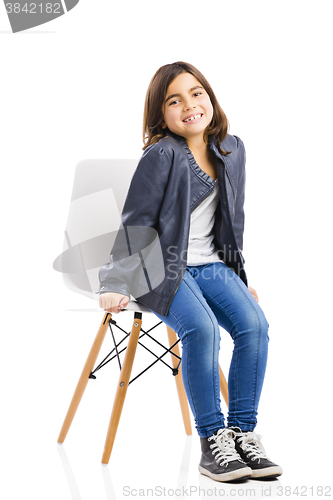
(188, 105)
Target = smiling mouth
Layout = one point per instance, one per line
(193, 118)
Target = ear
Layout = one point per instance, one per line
(163, 124)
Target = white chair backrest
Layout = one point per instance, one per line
(99, 192)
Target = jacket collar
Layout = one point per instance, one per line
(212, 144)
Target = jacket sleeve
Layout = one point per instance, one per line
(238, 222)
(136, 262)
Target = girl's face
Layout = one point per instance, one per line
(187, 108)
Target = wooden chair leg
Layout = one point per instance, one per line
(224, 386)
(123, 382)
(179, 383)
(83, 381)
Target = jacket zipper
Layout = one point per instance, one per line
(233, 191)
(228, 175)
(186, 262)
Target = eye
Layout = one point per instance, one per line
(173, 102)
(197, 93)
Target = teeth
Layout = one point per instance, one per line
(193, 118)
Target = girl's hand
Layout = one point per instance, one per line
(113, 302)
(254, 293)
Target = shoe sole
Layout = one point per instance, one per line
(239, 474)
(268, 472)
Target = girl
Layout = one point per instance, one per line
(189, 187)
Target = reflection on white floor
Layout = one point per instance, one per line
(203, 488)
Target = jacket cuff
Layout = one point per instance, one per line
(109, 288)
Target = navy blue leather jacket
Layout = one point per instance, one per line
(166, 187)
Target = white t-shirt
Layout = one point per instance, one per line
(201, 249)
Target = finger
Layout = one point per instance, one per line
(123, 303)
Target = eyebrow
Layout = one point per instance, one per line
(178, 95)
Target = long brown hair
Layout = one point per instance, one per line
(156, 93)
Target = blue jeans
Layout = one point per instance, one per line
(210, 296)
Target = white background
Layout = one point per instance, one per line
(74, 89)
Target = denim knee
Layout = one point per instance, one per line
(263, 324)
(203, 330)
(253, 327)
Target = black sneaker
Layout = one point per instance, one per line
(220, 460)
(252, 452)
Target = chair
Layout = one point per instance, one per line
(94, 218)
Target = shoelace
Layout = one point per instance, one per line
(224, 446)
(251, 445)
